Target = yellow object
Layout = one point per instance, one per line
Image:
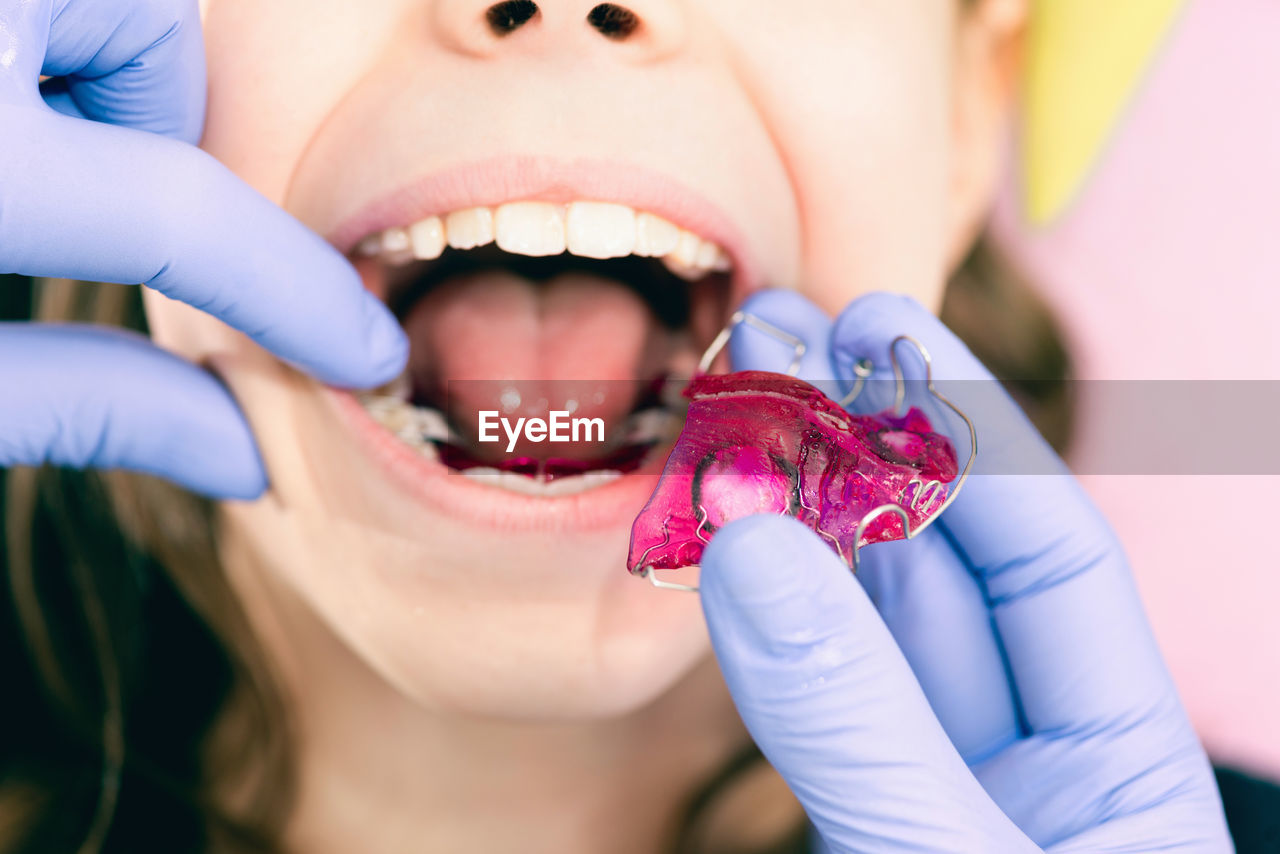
(1085, 59)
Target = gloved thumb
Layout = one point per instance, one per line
(831, 701)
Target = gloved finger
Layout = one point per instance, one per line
(929, 600)
(88, 396)
(1060, 593)
(135, 64)
(755, 349)
(93, 201)
(831, 702)
(937, 614)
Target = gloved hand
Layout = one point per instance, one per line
(99, 180)
(989, 686)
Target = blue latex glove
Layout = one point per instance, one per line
(99, 180)
(990, 686)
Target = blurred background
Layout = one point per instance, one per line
(1165, 264)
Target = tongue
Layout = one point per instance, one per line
(494, 341)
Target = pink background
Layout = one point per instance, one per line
(1168, 267)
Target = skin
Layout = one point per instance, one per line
(438, 666)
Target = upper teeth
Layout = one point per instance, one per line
(589, 229)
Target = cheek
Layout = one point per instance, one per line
(192, 334)
(270, 89)
(863, 127)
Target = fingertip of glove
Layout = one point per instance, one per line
(870, 317)
(232, 468)
(773, 593)
(753, 349)
(382, 349)
(778, 305)
(248, 487)
(741, 537)
(383, 346)
(867, 328)
(388, 344)
(760, 560)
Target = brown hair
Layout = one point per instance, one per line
(141, 714)
(144, 715)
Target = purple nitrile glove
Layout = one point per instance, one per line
(991, 685)
(99, 180)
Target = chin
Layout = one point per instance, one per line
(532, 626)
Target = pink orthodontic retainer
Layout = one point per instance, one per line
(760, 442)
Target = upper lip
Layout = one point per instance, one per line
(531, 178)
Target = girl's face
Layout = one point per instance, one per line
(835, 147)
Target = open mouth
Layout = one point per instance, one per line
(523, 310)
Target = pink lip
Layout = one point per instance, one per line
(530, 178)
(493, 182)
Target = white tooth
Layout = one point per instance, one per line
(390, 413)
(410, 436)
(708, 252)
(689, 274)
(371, 245)
(654, 424)
(600, 230)
(672, 391)
(530, 228)
(430, 424)
(520, 483)
(655, 236)
(400, 419)
(686, 252)
(469, 228)
(397, 391)
(427, 238)
(395, 240)
(683, 260)
(581, 482)
(395, 246)
(524, 485)
(401, 388)
(376, 404)
(509, 481)
(723, 262)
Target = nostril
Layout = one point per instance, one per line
(613, 21)
(509, 16)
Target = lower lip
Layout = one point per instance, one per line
(441, 490)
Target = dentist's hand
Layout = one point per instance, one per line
(990, 686)
(99, 180)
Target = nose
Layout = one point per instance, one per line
(639, 30)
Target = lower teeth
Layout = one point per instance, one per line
(569, 485)
(422, 427)
(416, 426)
